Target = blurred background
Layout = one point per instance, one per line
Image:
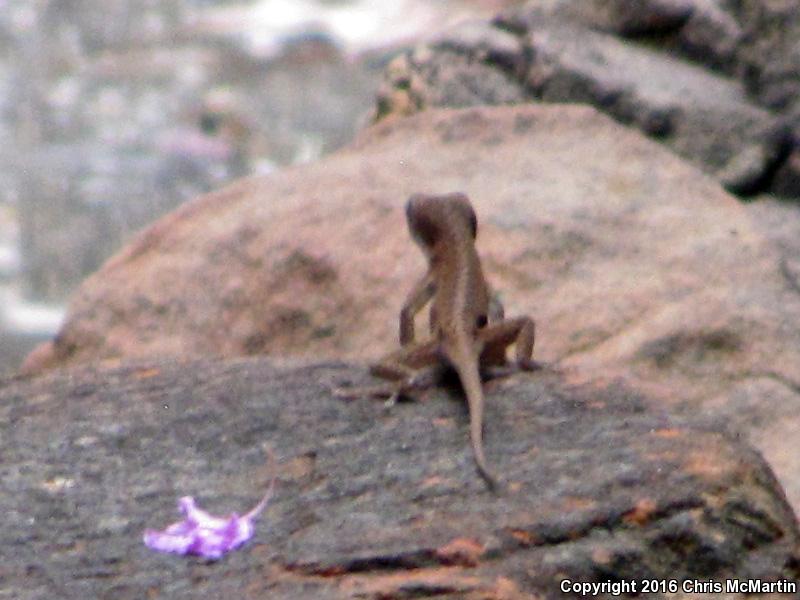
(114, 112)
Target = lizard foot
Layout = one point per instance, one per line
(379, 391)
(530, 365)
(501, 371)
(391, 393)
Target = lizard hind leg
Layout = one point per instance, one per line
(414, 367)
(496, 337)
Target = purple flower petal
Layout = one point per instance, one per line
(203, 534)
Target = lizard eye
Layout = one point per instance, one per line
(481, 321)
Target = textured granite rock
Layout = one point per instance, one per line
(370, 502)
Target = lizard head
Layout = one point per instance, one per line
(432, 218)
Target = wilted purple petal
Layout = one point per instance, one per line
(202, 534)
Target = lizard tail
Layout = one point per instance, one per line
(254, 512)
(471, 382)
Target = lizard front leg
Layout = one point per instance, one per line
(414, 366)
(419, 296)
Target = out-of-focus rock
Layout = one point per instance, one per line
(770, 52)
(120, 111)
(702, 116)
(690, 73)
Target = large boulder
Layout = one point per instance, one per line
(373, 503)
(634, 264)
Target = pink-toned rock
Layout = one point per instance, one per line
(633, 263)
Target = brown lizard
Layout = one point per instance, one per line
(467, 324)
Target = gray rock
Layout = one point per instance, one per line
(370, 502)
(483, 42)
(711, 36)
(704, 117)
(452, 75)
(707, 31)
(786, 181)
(770, 50)
(703, 76)
(649, 17)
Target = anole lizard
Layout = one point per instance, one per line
(467, 324)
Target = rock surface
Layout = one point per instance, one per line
(633, 264)
(371, 503)
(714, 80)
